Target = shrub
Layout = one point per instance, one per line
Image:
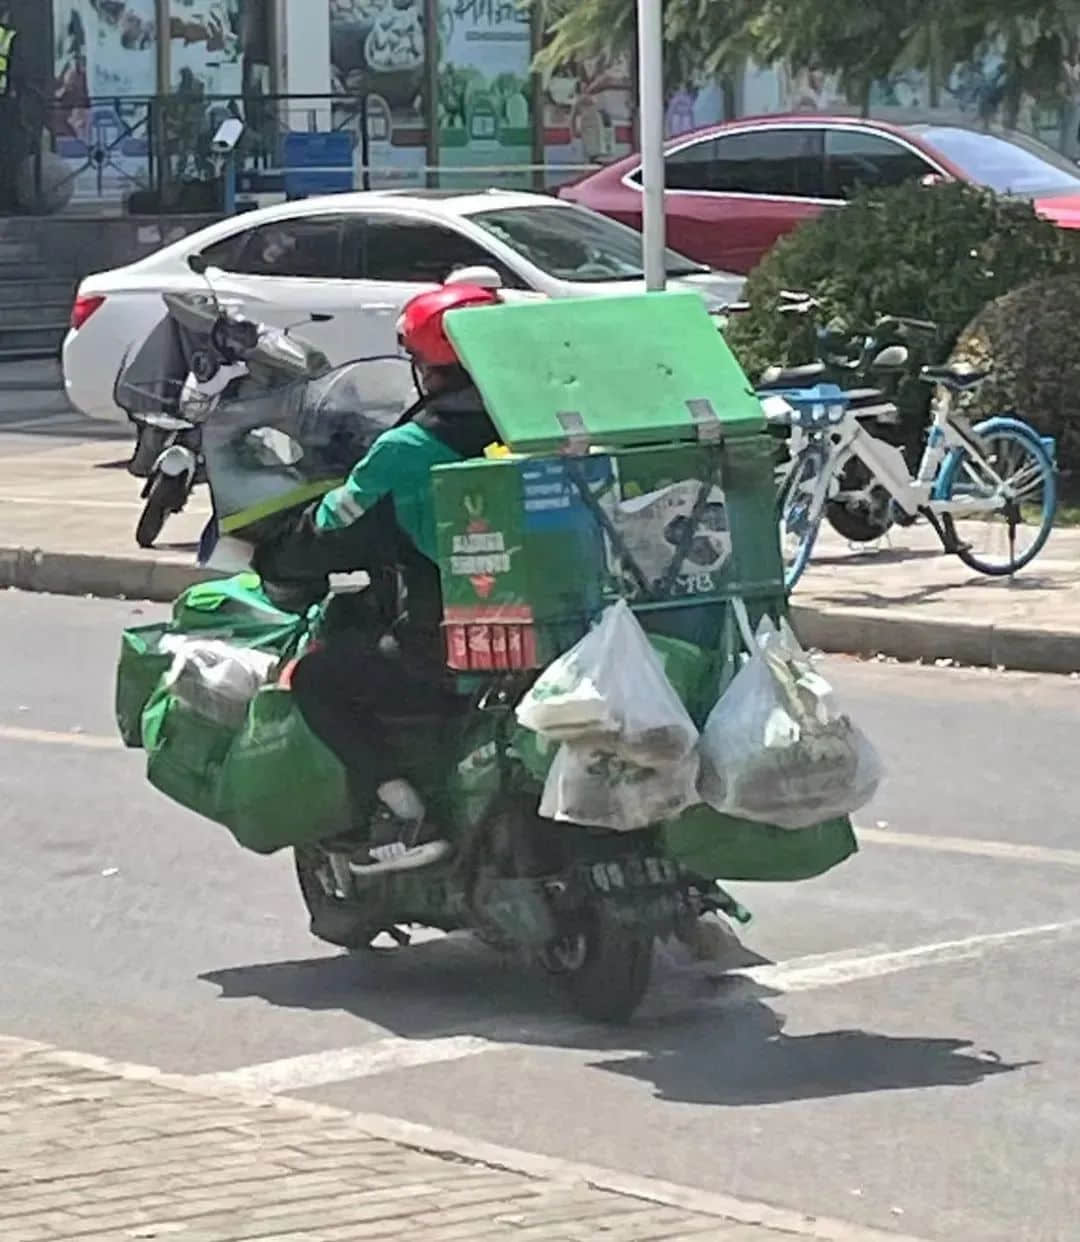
(1026, 338)
(938, 252)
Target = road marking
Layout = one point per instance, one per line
(802, 975)
(738, 988)
(1009, 850)
(974, 847)
(44, 737)
(70, 503)
(380, 1056)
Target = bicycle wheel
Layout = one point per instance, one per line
(799, 516)
(1005, 539)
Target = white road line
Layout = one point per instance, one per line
(1012, 851)
(974, 847)
(806, 976)
(44, 737)
(70, 502)
(381, 1056)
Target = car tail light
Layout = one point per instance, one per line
(84, 307)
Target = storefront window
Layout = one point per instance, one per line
(377, 50)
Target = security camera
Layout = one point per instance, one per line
(228, 135)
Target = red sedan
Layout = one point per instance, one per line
(733, 189)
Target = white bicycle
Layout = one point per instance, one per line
(994, 482)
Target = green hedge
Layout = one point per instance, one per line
(939, 252)
(1028, 338)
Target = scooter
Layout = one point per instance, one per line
(201, 353)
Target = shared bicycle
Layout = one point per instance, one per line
(989, 491)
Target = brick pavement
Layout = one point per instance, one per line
(92, 1155)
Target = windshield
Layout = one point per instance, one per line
(1012, 165)
(576, 245)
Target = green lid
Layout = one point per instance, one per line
(565, 374)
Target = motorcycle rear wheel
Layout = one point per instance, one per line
(613, 976)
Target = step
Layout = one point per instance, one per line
(19, 251)
(16, 292)
(42, 339)
(27, 269)
(34, 312)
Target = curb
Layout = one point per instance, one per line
(900, 634)
(446, 1145)
(912, 637)
(109, 577)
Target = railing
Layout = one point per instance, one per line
(154, 155)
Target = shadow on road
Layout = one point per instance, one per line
(700, 1039)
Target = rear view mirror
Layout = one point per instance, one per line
(484, 277)
(198, 264)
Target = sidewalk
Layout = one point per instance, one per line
(68, 514)
(103, 1153)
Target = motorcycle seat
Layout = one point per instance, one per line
(957, 377)
(792, 377)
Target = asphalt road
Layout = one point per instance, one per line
(908, 1061)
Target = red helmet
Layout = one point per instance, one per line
(420, 328)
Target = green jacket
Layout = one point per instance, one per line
(397, 466)
(382, 518)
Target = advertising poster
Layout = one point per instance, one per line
(377, 52)
(104, 51)
(206, 47)
(484, 115)
(588, 115)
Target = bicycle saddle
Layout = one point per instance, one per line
(958, 377)
(792, 377)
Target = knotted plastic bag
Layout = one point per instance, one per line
(629, 757)
(776, 747)
(611, 688)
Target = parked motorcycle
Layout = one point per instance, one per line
(200, 353)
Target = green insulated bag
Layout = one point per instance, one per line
(233, 607)
(141, 667)
(185, 753)
(279, 785)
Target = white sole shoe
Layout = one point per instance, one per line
(398, 857)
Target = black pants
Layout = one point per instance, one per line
(345, 691)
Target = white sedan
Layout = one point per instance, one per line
(357, 259)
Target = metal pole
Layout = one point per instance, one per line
(651, 111)
(432, 56)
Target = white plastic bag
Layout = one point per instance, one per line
(217, 680)
(611, 688)
(629, 754)
(605, 788)
(776, 747)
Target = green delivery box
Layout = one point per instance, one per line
(638, 468)
(521, 559)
